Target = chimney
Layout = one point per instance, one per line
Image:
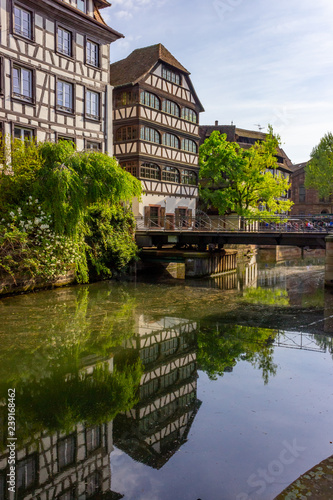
(216, 123)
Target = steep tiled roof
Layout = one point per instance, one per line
(97, 16)
(140, 62)
(206, 130)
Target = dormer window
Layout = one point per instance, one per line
(170, 75)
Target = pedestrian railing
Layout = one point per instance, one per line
(205, 223)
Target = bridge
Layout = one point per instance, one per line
(201, 231)
(204, 233)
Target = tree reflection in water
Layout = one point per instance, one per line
(220, 348)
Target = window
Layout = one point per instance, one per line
(150, 134)
(23, 134)
(126, 134)
(92, 105)
(149, 99)
(188, 145)
(65, 96)
(81, 5)
(170, 107)
(26, 473)
(169, 346)
(302, 193)
(188, 177)
(94, 146)
(64, 45)
(129, 166)
(125, 99)
(171, 140)
(170, 174)
(189, 115)
(150, 354)
(66, 451)
(68, 139)
(22, 83)
(171, 76)
(69, 494)
(93, 439)
(92, 53)
(150, 171)
(169, 379)
(22, 22)
(93, 485)
(148, 389)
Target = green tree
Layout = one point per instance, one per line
(319, 171)
(50, 195)
(238, 180)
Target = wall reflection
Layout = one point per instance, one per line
(154, 429)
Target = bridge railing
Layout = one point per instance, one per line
(202, 223)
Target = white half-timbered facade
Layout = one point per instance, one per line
(54, 72)
(156, 133)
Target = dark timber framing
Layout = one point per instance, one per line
(35, 48)
(143, 83)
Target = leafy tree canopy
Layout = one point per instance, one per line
(319, 171)
(60, 207)
(239, 180)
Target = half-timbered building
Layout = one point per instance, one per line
(54, 71)
(156, 132)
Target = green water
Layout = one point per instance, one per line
(208, 389)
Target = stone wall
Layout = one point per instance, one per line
(20, 284)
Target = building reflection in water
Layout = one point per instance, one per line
(158, 425)
(61, 466)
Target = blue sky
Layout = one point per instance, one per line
(251, 61)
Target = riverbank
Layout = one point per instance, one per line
(316, 483)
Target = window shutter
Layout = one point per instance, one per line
(177, 217)
(189, 217)
(146, 216)
(162, 216)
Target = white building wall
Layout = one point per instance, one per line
(41, 56)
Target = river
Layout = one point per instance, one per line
(215, 389)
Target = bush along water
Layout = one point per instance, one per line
(61, 208)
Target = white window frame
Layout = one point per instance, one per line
(65, 96)
(64, 46)
(92, 53)
(23, 133)
(22, 22)
(22, 83)
(92, 105)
